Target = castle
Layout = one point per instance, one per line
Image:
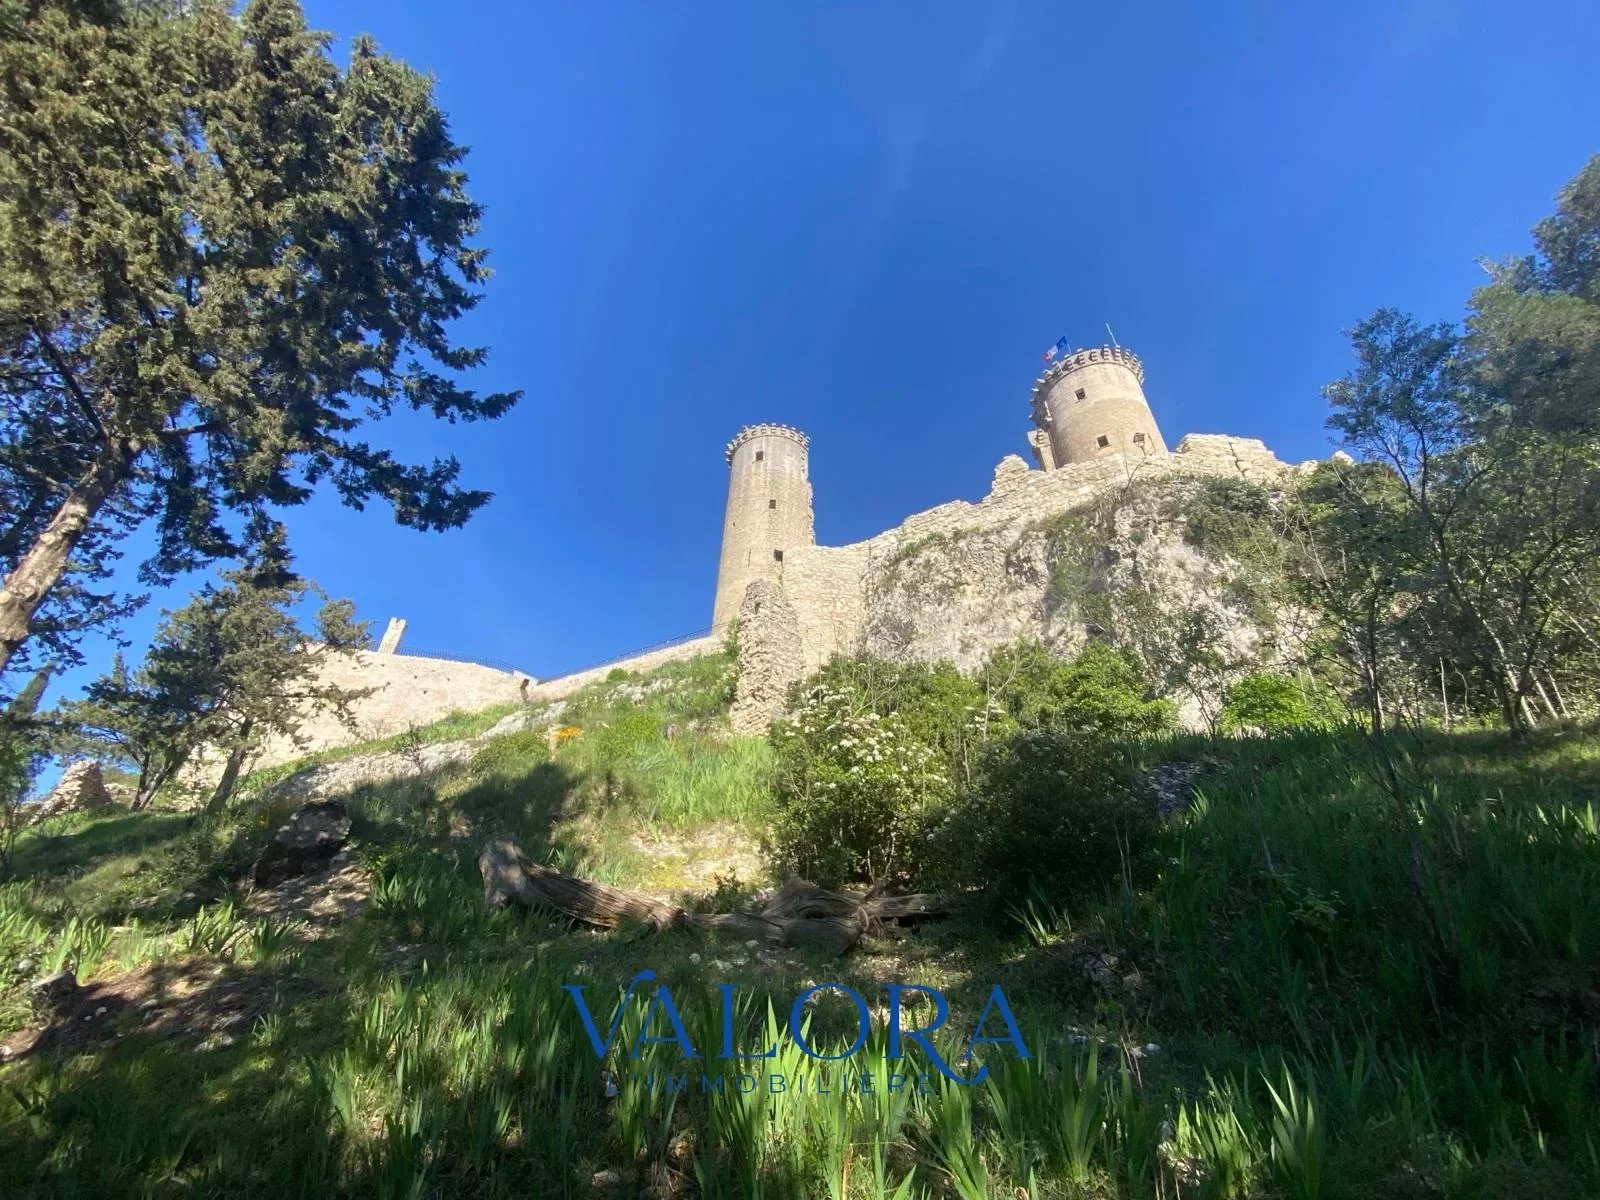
(798, 604)
(1088, 405)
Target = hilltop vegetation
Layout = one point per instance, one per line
(1339, 942)
(1241, 998)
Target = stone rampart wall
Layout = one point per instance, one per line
(827, 585)
(557, 689)
(407, 690)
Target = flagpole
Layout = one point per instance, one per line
(1112, 336)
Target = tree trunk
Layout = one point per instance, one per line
(143, 794)
(230, 772)
(798, 914)
(1561, 701)
(41, 568)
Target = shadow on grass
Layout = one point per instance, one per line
(41, 853)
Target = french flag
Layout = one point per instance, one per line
(1059, 348)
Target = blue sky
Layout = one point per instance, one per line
(868, 220)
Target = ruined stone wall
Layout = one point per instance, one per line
(81, 788)
(828, 585)
(557, 689)
(407, 690)
(770, 657)
(957, 581)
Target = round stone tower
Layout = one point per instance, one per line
(769, 512)
(1091, 403)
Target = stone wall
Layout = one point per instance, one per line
(770, 657)
(81, 788)
(829, 585)
(406, 690)
(823, 600)
(557, 689)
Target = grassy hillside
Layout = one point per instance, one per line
(1288, 1006)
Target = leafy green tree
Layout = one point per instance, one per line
(1360, 561)
(1267, 702)
(1507, 507)
(1101, 691)
(225, 671)
(220, 256)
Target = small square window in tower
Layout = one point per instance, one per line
(777, 556)
(1138, 439)
(1081, 394)
(1102, 441)
(774, 503)
(760, 454)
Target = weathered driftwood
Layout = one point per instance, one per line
(510, 876)
(798, 914)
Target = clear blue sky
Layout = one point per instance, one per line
(868, 220)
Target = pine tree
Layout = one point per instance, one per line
(220, 256)
(227, 670)
(24, 742)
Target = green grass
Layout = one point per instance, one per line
(1337, 1016)
(454, 727)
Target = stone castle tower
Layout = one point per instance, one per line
(1091, 403)
(769, 511)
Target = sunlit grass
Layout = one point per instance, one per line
(1332, 1015)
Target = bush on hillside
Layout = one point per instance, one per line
(936, 704)
(1054, 818)
(1265, 702)
(853, 790)
(1100, 692)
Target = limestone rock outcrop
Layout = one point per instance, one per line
(305, 842)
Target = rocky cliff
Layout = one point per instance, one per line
(1172, 558)
(1178, 570)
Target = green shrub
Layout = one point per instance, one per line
(1269, 703)
(852, 790)
(1101, 691)
(937, 704)
(1230, 518)
(1054, 818)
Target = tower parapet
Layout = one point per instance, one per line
(768, 512)
(1091, 403)
(755, 431)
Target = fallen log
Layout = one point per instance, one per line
(798, 914)
(510, 876)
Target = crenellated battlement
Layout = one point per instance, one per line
(755, 431)
(1091, 403)
(1068, 363)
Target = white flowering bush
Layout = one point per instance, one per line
(853, 791)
